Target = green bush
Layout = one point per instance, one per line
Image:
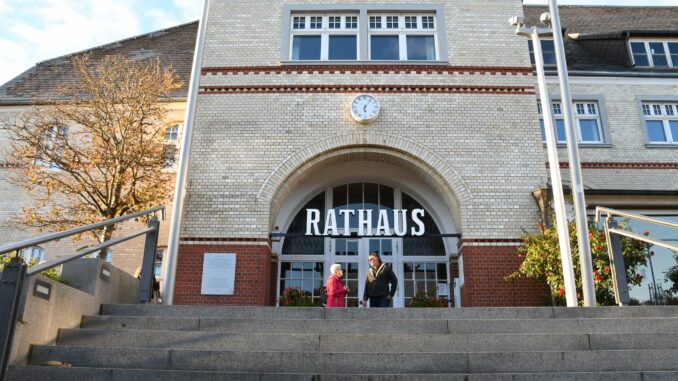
(428, 299)
(541, 261)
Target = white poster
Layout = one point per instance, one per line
(218, 274)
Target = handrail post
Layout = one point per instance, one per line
(13, 276)
(145, 292)
(617, 266)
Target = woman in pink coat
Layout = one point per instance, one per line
(335, 288)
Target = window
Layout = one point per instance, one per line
(53, 139)
(172, 133)
(548, 51)
(157, 265)
(306, 276)
(661, 122)
(33, 254)
(424, 277)
(398, 38)
(659, 54)
(587, 121)
(332, 37)
(109, 256)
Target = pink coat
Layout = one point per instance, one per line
(335, 292)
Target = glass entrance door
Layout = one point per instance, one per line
(352, 254)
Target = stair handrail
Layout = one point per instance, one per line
(4, 249)
(14, 274)
(614, 212)
(614, 247)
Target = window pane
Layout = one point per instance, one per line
(658, 54)
(306, 48)
(530, 48)
(375, 22)
(639, 54)
(543, 131)
(655, 131)
(549, 52)
(427, 22)
(560, 128)
(421, 48)
(351, 22)
(673, 126)
(384, 48)
(343, 48)
(588, 129)
(334, 22)
(673, 50)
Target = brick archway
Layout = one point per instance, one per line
(434, 170)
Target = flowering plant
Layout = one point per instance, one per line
(428, 299)
(541, 261)
(295, 297)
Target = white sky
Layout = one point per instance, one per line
(36, 30)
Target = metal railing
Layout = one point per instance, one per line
(613, 236)
(16, 271)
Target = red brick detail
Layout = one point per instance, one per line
(620, 165)
(273, 296)
(423, 89)
(252, 275)
(368, 69)
(484, 270)
(221, 239)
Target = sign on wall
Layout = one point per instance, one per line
(218, 274)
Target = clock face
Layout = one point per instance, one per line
(365, 108)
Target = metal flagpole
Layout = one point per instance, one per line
(549, 131)
(556, 182)
(575, 168)
(170, 266)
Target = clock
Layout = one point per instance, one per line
(365, 108)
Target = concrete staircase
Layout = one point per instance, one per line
(137, 342)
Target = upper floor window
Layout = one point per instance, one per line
(402, 37)
(587, 122)
(33, 254)
(363, 32)
(661, 122)
(172, 133)
(53, 138)
(324, 37)
(660, 54)
(548, 51)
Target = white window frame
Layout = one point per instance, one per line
(557, 111)
(402, 32)
(324, 32)
(663, 116)
(51, 136)
(646, 42)
(363, 11)
(173, 130)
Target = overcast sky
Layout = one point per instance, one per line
(36, 30)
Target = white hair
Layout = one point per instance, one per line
(334, 268)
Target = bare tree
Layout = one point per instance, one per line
(93, 150)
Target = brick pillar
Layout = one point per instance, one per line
(252, 274)
(485, 264)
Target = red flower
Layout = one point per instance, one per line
(597, 279)
(595, 272)
(606, 270)
(561, 291)
(598, 248)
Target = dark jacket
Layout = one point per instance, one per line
(378, 281)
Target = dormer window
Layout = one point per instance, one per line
(654, 53)
(548, 51)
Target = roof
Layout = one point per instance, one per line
(173, 46)
(596, 36)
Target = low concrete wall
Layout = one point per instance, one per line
(86, 291)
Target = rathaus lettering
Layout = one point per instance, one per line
(365, 227)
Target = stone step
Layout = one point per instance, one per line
(30, 373)
(387, 343)
(389, 313)
(361, 363)
(332, 326)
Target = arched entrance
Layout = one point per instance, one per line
(421, 263)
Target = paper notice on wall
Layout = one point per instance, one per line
(218, 274)
(443, 290)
